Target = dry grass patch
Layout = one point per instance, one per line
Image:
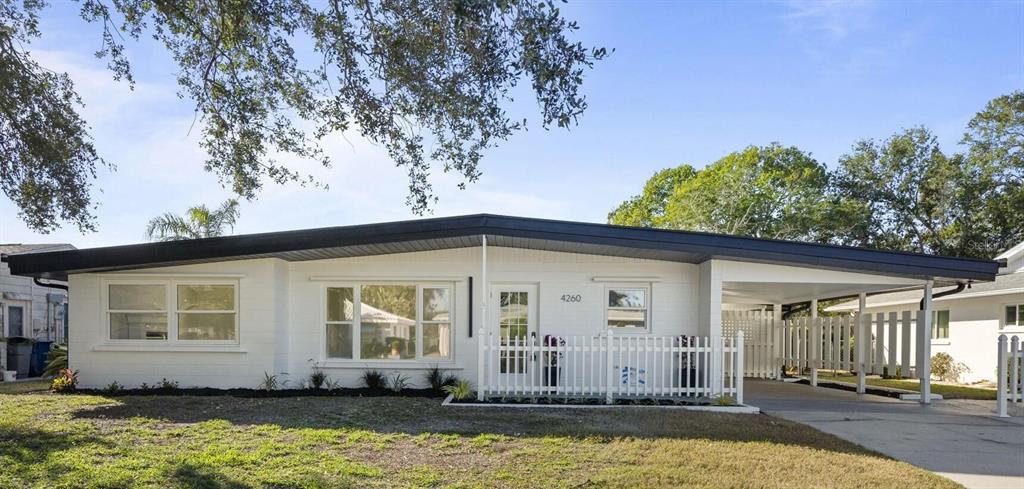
(224, 442)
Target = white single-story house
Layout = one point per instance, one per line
(515, 305)
(967, 318)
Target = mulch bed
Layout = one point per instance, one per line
(262, 393)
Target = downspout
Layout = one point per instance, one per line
(960, 286)
(40, 283)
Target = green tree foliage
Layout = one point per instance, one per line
(198, 222)
(995, 141)
(768, 191)
(902, 193)
(47, 159)
(426, 79)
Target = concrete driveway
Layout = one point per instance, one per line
(959, 439)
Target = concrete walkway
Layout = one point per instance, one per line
(959, 439)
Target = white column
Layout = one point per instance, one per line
(925, 344)
(861, 327)
(777, 347)
(482, 329)
(814, 337)
(710, 303)
(710, 298)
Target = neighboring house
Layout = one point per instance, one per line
(967, 323)
(27, 309)
(471, 294)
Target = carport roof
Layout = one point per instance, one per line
(518, 232)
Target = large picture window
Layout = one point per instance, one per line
(172, 311)
(627, 308)
(388, 322)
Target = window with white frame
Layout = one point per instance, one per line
(627, 308)
(940, 325)
(172, 311)
(388, 322)
(1013, 316)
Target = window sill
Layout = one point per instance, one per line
(941, 343)
(172, 348)
(388, 365)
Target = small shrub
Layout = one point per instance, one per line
(331, 384)
(460, 390)
(724, 401)
(946, 369)
(398, 382)
(438, 379)
(317, 378)
(374, 379)
(66, 382)
(271, 382)
(167, 385)
(113, 388)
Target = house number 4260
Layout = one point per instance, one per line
(572, 298)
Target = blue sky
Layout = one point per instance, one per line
(688, 82)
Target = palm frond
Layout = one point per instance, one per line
(197, 222)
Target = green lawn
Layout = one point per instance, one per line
(947, 391)
(49, 440)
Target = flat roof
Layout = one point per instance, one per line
(519, 232)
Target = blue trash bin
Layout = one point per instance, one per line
(38, 362)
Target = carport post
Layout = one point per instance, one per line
(777, 347)
(925, 343)
(815, 345)
(481, 361)
(1001, 378)
(860, 329)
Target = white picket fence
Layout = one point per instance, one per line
(1009, 378)
(614, 366)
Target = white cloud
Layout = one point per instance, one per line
(837, 18)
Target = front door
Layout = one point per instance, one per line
(16, 318)
(515, 311)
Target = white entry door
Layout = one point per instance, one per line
(515, 313)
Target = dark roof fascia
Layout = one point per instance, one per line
(58, 264)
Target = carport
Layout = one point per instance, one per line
(761, 299)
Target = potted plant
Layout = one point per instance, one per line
(551, 360)
(689, 374)
(396, 344)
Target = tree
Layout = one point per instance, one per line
(906, 193)
(902, 193)
(648, 208)
(426, 79)
(767, 191)
(198, 222)
(995, 142)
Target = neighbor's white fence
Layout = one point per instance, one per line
(886, 341)
(1009, 378)
(614, 366)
